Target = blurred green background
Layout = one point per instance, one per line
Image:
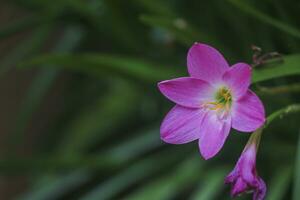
(80, 110)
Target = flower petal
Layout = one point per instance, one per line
(248, 113)
(238, 79)
(214, 132)
(238, 187)
(206, 63)
(247, 163)
(261, 190)
(231, 177)
(188, 92)
(181, 125)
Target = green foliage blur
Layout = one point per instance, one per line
(87, 123)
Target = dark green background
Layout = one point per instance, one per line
(80, 110)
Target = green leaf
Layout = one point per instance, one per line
(52, 187)
(25, 48)
(40, 85)
(157, 7)
(243, 6)
(279, 185)
(17, 26)
(113, 157)
(119, 23)
(181, 30)
(166, 187)
(212, 186)
(97, 121)
(37, 90)
(133, 174)
(296, 188)
(142, 142)
(101, 65)
(281, 89)
(290, 66)
(142, 70)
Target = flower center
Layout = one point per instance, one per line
(222, 103)
(223, 96)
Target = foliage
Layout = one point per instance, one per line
(105, 143)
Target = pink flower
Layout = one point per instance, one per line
(244, 177)
(212, 100)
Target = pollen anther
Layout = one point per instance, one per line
(222, 103)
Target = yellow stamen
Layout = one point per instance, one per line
(223, 102)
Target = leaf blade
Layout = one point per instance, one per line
(265, 18)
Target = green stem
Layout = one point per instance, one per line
(255, 138)
(282, 112)
(256, 135)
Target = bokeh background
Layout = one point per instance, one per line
(80, 110)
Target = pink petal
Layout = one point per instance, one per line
(238, 79)
(231, 177)
(248, 113)
(188, 92)
(261, 190)
(247, 163)
(214, 132)
(206, 63)
(181, 125)
(239, 187)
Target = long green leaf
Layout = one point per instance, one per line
(146, 140)
(181, 30)
(41, 84)
(242, 5)
(133, 174)
(157, 7)
(279, 185)
(17, 26)
(52, 187)
(289, 66)
(143, 141)
(168, 186)
(296, 188)
(114, 157)
(139, 69)
(282, 89)
(99, 64)
(212, 186)
(97, 121)
(27, 47)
